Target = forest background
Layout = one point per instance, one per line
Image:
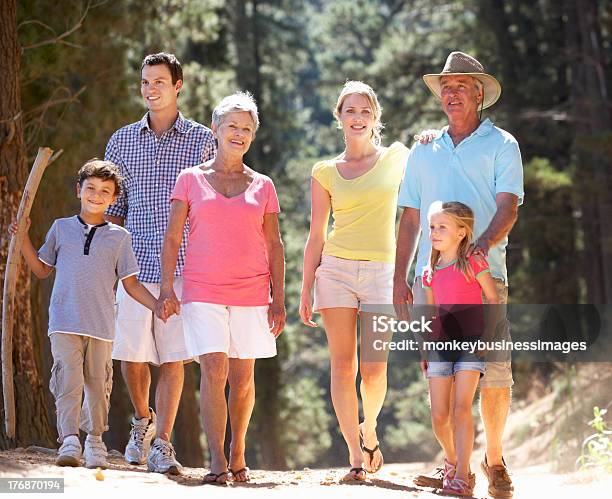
(69, 77)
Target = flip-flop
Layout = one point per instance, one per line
(354, 474)
(241, 470)
(370, 452)
(215, 478)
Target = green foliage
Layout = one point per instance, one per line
(597, 448)
(406, 416)
(306, 422)
(541, 267)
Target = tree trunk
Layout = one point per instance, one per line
(591, 120)
(32, 421)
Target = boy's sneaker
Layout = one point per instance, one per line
(69, 453)
(95, 452)
(162, 458)
(141, 435)
(500, 483)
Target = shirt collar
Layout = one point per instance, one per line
(143, 124)
(83, 222)
(181, 125)
(483, 129)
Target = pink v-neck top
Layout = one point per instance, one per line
(226, 260)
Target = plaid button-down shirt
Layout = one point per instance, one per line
(150, 166)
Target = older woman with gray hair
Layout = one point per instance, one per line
(233, 280)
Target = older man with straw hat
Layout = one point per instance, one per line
(478, 164)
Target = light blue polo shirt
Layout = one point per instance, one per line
(480, 166)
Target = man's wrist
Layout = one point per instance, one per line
(484, 241)
(399, 279)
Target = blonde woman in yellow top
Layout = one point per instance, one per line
(353, 264)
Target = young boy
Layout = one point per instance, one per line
(89, 255)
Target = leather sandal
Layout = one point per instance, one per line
(370, 453)
(238, 472)
(213, 478)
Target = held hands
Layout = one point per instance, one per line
(163, 310)
(167, 305)
(306, 309)
(276, 317)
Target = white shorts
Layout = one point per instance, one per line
(142, 337)
(239, 332)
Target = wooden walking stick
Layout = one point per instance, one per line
(43, 159)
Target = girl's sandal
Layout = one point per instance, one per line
(235, 474)
(213, 478)
(457, 487)
(449, 470)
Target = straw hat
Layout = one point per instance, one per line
(458, 63)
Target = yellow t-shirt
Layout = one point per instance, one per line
(364, 208)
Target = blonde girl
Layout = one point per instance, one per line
(451, 281)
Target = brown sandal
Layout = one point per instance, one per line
(214, 478)
(241, 470)
(355, 474)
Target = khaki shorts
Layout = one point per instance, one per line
(239, 332)
(350, 283)
(497, 374)
(142, 337)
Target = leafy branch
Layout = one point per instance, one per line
(61, 38)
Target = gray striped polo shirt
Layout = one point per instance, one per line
(88, 262)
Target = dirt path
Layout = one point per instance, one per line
(394, 480)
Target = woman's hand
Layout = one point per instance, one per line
(162, 310)
(306, 309)
(423, 365)
(276, 317)
(167, 303)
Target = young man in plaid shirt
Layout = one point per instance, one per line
(150, 154)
